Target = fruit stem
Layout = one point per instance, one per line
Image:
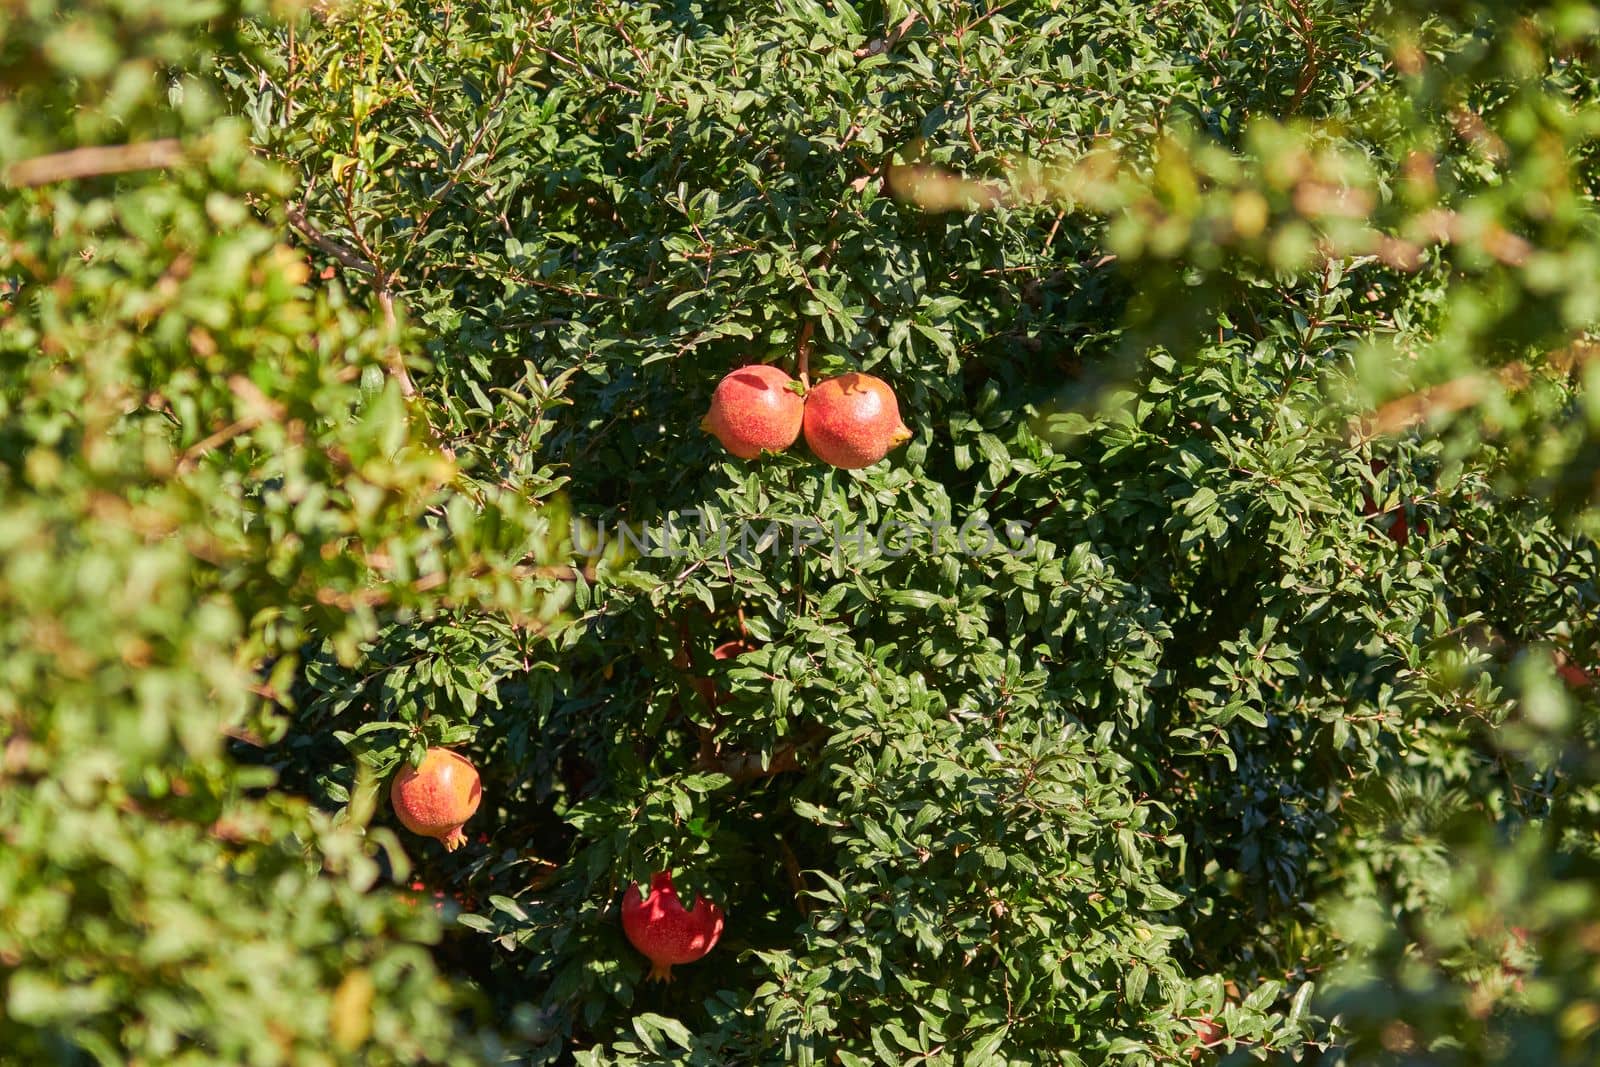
(454, 839)
(802, 348)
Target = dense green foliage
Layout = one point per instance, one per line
(1257, 334)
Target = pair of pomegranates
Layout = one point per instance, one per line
(851, 421)
(437, 797)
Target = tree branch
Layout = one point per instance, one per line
(802, 350)
(393, 361)
(94, 161)
(392, 357)
(296, 215)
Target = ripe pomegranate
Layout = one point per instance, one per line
(437, 797)
(1394, 523)
(1574, 675)
(659, 927)
(755, 409)
(1399, 529)
(727, 650)
(853, 421)
(1207, 1030)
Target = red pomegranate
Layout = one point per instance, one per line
(1207, 1030)
(727, 650)
(1399, 529)
(755, 409)
(853, 421)
(1574, 675)
(435, 798)
(1394, 523)
(659, 927)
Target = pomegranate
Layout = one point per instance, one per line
(755, 409)
(1398, 529)
(726, 650)
(1574, 675)
(659, 927)
(435, 798)
(853, 421)
(1394, 523)
(1207, 1030)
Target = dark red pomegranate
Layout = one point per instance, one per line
(1209, 1033)
(727, 650)
(1574, 675)
(1394, 523)
(659, 927)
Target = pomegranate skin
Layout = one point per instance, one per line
(853, 421)
(659, 927)
(755, 409)
(1574, 675)
(437, 797)
(1209, 1033)
(1396, 527)
(726, 650)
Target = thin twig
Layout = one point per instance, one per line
(1048, 241)
(802, 350)
(507, 81)
(393, 361)
(263, 408)
(392, 358)
(340, 251)
(1308, 72)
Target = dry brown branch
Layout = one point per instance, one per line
(392, 357)
(1446, 398)
(1441, 226)
(94, 161)
(797, 881)
(746, 766)
(1471, 128)
(1418, 407)
(296, 215)
(879, 45)
(936, 189)
(743, 766)
(261, 408)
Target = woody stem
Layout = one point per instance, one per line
(803, 354)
